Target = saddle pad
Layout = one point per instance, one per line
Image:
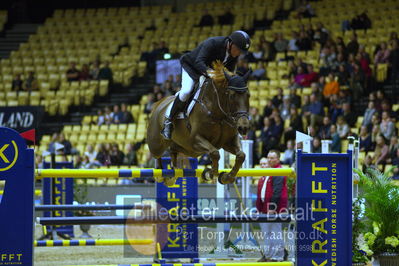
(189, 108)
(192, 103)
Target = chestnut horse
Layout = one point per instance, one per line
(218, 118)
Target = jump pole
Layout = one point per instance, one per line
(97, 207)
(92, 242)
(209, 264)
(137, 173)
(264, 218)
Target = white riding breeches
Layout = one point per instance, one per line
(187, 84)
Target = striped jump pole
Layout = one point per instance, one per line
(92, 242)
(284, 263)
(264, 218)
(97, 207)
(137, 173)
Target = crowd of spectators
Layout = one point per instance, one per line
(28, 84)
(118, 115)
(91, 71)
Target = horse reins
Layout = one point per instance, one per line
(235, 116)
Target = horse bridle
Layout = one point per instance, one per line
(233, 117)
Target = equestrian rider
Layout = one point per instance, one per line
(197, 62)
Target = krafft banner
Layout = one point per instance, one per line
(21, 118)
(324, 185)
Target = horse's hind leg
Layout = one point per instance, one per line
(234, 148)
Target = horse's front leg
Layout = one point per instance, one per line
(235, 148)
(202, 145)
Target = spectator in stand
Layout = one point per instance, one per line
(206, 19)
(116, 115)
(100, 117)
(320, 36)
(278, 99)
(131, 155)
(116, 155)
(91, 154)
(72, 73)
(268, 109)
(278, 128)
(316, 145)
(17, 83)
(331, 87)
(95, 70)
(106, 73)
(316, 112)
(260, 71)
(289, 153)
(394, 62)
(266, 136)
(149, 103)
(272, 198)
(382, 56)
(387, 128)
(30, 83)
(305, 10)
(342, 75)
(299, 78)
(353, 46)
(295, 99)
(255, 118)
(393, 148)
(84, 74)
(227, 18)
(292, 44)
(361, 22)
(364, 60)
(348, 114)
(368, 114)
(127, 116)
(285, 108)
(365, 139)
(103, 157)
(325, 128)
(280, 44)
(67, 150)
(342, 127)
(304, 42)
(357, 81)
(381, 150)
(295, 124)
(54, 140)
(107, 115)
(336, 140)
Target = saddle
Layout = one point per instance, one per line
(190, 102)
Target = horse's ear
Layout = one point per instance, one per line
(227, 76)
(246, 76)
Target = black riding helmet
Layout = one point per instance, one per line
(241, 40)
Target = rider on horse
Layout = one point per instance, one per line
(197, 62)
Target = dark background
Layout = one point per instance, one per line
(36, 11)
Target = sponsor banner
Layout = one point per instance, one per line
(324, 185)
(21, 118)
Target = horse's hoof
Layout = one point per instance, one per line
(170, 181)
(226, 178)
(207, 175)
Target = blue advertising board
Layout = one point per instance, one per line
(324, 209)
(178, 240)
(59, 191)
(16, 207)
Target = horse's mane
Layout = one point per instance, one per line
(217, 74)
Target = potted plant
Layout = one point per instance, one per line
(382, 212)
(359, 256)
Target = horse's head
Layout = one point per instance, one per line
(238, 95)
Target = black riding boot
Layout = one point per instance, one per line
(168, 124)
